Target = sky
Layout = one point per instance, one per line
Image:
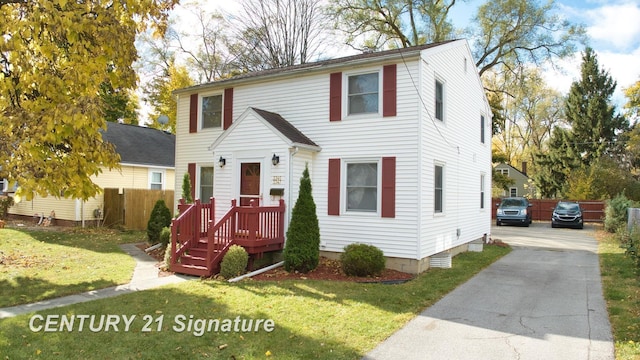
(613, 27)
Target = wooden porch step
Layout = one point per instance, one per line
(193, 260)
(190, 269)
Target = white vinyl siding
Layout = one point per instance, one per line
(411, 137)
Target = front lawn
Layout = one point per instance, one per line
(39, 265)
(621, 287)
(311, 319)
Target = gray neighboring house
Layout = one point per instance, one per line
(522, 187)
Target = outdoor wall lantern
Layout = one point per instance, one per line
(222, 162)
(275, 160)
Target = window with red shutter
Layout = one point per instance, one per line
(389, 90)
(389, 187)
(333, 193)
(335, 97)
(193, 113)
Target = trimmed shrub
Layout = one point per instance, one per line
(165, 236)
(615, 213)
(5, 203)
(234, 262)
(160, 218)
(167, 258)
(362, 260)
(302, 249)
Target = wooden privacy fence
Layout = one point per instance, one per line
(131, 208)
(592, 210)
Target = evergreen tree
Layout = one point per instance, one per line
(555, 164)
(186, 188)
(302, 250)
(160, 218)
(595, 125)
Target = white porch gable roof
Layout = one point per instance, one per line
(277, 124)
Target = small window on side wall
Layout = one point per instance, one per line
(363, 93)
(439, 100)
(211, 111)
(156, 180)
(438, 206)
(482, 127)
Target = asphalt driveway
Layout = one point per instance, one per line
(542, 301)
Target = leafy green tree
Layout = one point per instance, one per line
(302, 249)
(404, 23)
(119, 105)
(159, 95)
(603, 179)
(54, 56)
(633, 100)
(595, 126)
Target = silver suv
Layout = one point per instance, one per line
(514, 210)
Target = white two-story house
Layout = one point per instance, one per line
(398, 146)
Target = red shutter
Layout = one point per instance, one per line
(191, 169)
(193, 113)
(333, 201)
(389, 187)
(335, 97)
(228, 108)
(389, 90)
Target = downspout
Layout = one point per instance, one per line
(289, 206)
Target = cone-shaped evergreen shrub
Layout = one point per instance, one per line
(160, 218)
(186, 188)
(302, 250)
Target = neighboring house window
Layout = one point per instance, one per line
(156, 180)
(439, 189)
(363, 93)
(3, 185)
(482, 128)
(482, 191)
(211, 111)
(362, 187)
(439, 100)
(206, 184)
(504, 172)
(513, 191)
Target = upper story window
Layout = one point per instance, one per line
(504, 172)
(482, 127)
(156, 180)
(363, 93)
(439, 100)
(211, 112)
(362, 186)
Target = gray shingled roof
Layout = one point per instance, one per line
(141, 145)
(369, 56)
(285, 127)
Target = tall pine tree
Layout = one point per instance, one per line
(595, 125)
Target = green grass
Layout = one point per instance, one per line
(621, 287)
(39, 265)
(313, 319)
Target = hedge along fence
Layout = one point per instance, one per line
(592, 210)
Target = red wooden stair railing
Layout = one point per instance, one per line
(198, 243)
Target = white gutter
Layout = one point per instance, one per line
(257, 272)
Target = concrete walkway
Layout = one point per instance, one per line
(145, 276)
(542, 301)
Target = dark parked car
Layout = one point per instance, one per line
(567, 214)
(514, 210)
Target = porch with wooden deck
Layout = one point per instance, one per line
(199, 241)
